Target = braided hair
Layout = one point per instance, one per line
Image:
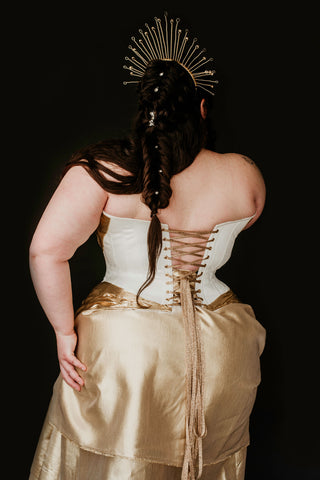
(168, 132)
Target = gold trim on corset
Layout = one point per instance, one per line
(222, 300)
(102, 229)
(108, 295)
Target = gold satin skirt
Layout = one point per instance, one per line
(128, 421)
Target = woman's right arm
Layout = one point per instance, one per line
(71, 216)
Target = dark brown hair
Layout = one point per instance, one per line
(168, 132)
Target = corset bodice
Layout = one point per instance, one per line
(124, 244)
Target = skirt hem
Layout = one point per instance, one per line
(223, 458)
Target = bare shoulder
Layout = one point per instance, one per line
(242, 163)
(241, 167)
(246, 173)
(244, 168)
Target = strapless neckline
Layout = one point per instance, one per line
(165, 225)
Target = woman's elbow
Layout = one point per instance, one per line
(42, 250)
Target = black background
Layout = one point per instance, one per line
(65, 91)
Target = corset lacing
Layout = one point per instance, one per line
(184, 292)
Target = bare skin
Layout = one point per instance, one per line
(215, 188)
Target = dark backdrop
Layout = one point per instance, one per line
(65, 90)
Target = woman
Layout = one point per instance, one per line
(160, 366)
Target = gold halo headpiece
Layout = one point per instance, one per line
(168, 43)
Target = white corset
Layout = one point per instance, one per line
(126, 254)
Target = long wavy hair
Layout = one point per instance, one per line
(168, 133)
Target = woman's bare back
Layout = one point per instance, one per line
(215, 188)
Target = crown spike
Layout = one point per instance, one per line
(131, 81)
(183, 44)
(158, 38)
(144, 50)
(143, 46)
(157, 43)
(161, 35)
(167, 43)
(201, 63)
(175, 38)
(205, 82)
(178, 46)
(195, 66)
(204, 73)
(145, 53)
(192, 60)
(133, 70)
(135, 62)
(152, 34)
(189, 53)
(171, 33)
(149, 44)
(205, 89)
(140, 56)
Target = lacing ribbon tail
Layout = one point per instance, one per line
(195, 418)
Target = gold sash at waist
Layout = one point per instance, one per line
(109, 296)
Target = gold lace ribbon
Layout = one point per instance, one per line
(195, 418)
(185, 293)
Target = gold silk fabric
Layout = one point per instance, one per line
(168, 392)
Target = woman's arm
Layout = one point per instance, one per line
(71, 216)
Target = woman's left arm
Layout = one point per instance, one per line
(71, 216)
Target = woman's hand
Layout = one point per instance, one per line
(66, 344)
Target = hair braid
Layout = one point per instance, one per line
(164, 110)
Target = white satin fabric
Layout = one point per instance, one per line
(126, 255)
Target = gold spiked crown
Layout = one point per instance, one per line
(157, 43)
